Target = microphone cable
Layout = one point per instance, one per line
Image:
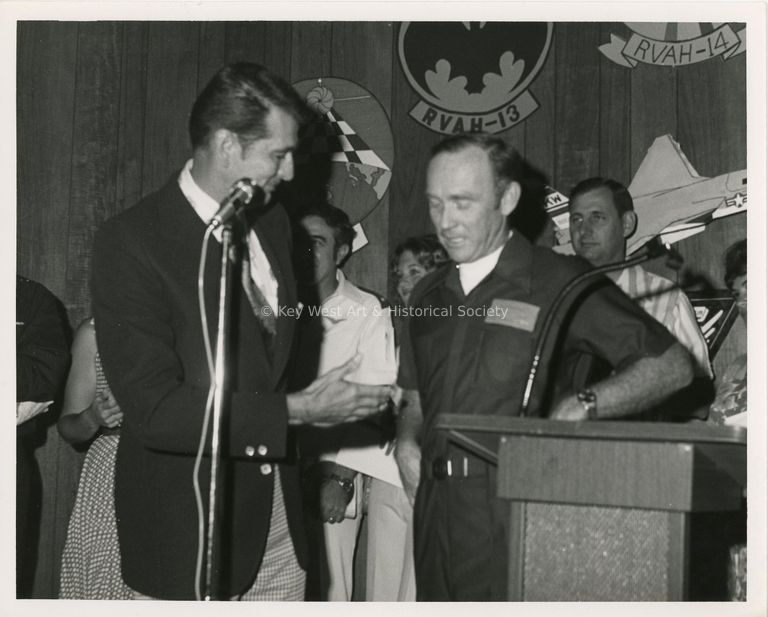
(206, 415)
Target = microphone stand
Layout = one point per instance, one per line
(240, 196)
(651, 250)
(220, 381)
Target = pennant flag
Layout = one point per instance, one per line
(715, 313)
(330, 134)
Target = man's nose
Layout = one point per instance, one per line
(285, 171)
(585, 228)
(446, 219)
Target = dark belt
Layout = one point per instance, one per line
(455, 466)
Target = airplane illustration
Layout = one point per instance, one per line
(671, 199)
(674, 201)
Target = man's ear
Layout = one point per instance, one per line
(629, 223)
(510, 198)
(225, 146)
(341, 254)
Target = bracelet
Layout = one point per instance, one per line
(345, 483)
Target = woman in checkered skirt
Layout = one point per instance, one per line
(90, 567)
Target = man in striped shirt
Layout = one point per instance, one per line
(602, 218)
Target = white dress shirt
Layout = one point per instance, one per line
(206, 207)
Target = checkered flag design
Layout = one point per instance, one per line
(330, 134)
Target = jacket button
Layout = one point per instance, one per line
(250, 451)
(262, 450)
(266, 469)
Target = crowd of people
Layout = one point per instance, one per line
(333, 397)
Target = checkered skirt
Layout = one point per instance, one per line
(90, 567)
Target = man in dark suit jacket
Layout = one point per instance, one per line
(244, 124)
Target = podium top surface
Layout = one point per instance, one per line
(627, 430)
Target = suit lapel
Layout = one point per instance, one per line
(178, 222)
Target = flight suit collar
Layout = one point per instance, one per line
(514, 265)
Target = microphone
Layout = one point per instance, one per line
(244, 194)
(652, 249)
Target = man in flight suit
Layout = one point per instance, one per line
(467, 350)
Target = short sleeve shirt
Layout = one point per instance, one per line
(471, 354)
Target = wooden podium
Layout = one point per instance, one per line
(600, 511)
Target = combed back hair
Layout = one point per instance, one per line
(426, 249)
(735, 262)
(336, 219)
(505, 161)
(622, 200)
(238, 98)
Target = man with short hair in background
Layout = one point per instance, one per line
(602, 219)
(347, 321)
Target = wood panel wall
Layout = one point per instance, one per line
(102, 110)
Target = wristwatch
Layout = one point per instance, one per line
(588, 400)
(345, 483)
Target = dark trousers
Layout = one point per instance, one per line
(461, 540)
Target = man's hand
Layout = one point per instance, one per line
(407, 450)
(570, 408)
(333, 501)
(408, 457)
(105, 411)
(334, 497)
(331, 399)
